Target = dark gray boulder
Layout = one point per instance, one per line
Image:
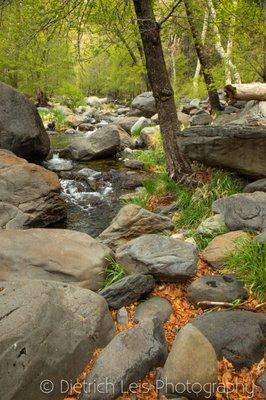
(221, 288)
(239, 336)
(128, 290)
(21, 128)
(240, 148)
(48, 331)
(243, 211)
(165, 258)
(154, 307)
(126, 360)
(145, 102)
(257, 186)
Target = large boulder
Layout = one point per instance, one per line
(128, 290)
(21, 128)
(191, 368)
(29, 194)
(48, 332)
(131, 222)
(238, 336)
(243, 211)
(145, 102)
(165, 258)
(126, 360)
(257, 186)
(154, 307)
(104, 142)
(218, 250)
(53, 254)
(240, 148)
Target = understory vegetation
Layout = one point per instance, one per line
(248, 262)
(113, 273)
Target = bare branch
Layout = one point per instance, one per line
(160, 23)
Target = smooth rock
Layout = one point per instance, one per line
(134, 164)
(122, 316)
(217, 288)
(133, 221)
(165, 258)
(21, 127)
(257, 186)
(53, 254)
(128, 290)
(212, 226)
(141, 123)
(154, 307)
(29, 194)
(126, 360)
(48, 331)
(145, 102)
(261, 238)
(239, 336)
(221, 247)
(126, 123)
(243, 211)
(191, 368)
(202, 118)
(148, 137)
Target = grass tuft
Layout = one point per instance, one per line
(113, 273)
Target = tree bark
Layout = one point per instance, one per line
(177, 164)
(248, 91)
(204, 61)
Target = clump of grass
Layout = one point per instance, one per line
(248, 262)
(203, 241)
(54, 115)
(113, 273)
(152, 159)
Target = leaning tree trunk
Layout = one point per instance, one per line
(204, 61)
(178, 166)
(203, 38)
(247, 91)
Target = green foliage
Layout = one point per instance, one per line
(54, 115)
(152, 159)
(113, 273)
(248, 262)
(70, 95)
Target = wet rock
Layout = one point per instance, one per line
(89, 174)
(128, 290)
(191, 368)
(257, 186)
(53, 254)
(145, 102)
(237, 147)
(126, 360)
(239, 336)
(48, 330)
(212, 226)
(243, 211)
(29, 194)
(58, 164)
(131, 180)
(21, 128)
(221, 288)
(221, 247)
(133, 221)
(165, 258)
(154, 307)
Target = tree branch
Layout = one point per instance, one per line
(160, 23)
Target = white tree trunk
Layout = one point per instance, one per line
(218, 44)
(203, 38)
(247, 91)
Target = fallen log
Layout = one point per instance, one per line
(247, 91)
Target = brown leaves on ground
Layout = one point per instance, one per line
(234, 385)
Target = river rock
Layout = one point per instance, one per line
(165, 258)
(53, 254)
(104, 142)
(201, 118)
(191, 368)
(128, 290)
(134, 164)
(126, 360)
(148, 137)
(222, 288)
(126, 123)
(141, 123)
(213, 225)
(221, 247)
(237, 147)
(145, 102)
(257, 186)
(243, 211)
(133, 221)
(21, 127)
(154, 307)
(239, 336)
(29, 194)
(48, 331)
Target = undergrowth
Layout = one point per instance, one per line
(113, 273)
(54, 115)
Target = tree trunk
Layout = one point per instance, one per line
(204, 61)
(203, 38)
(248, 91)
(218, 44)
(177, 164)
(41, 99)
